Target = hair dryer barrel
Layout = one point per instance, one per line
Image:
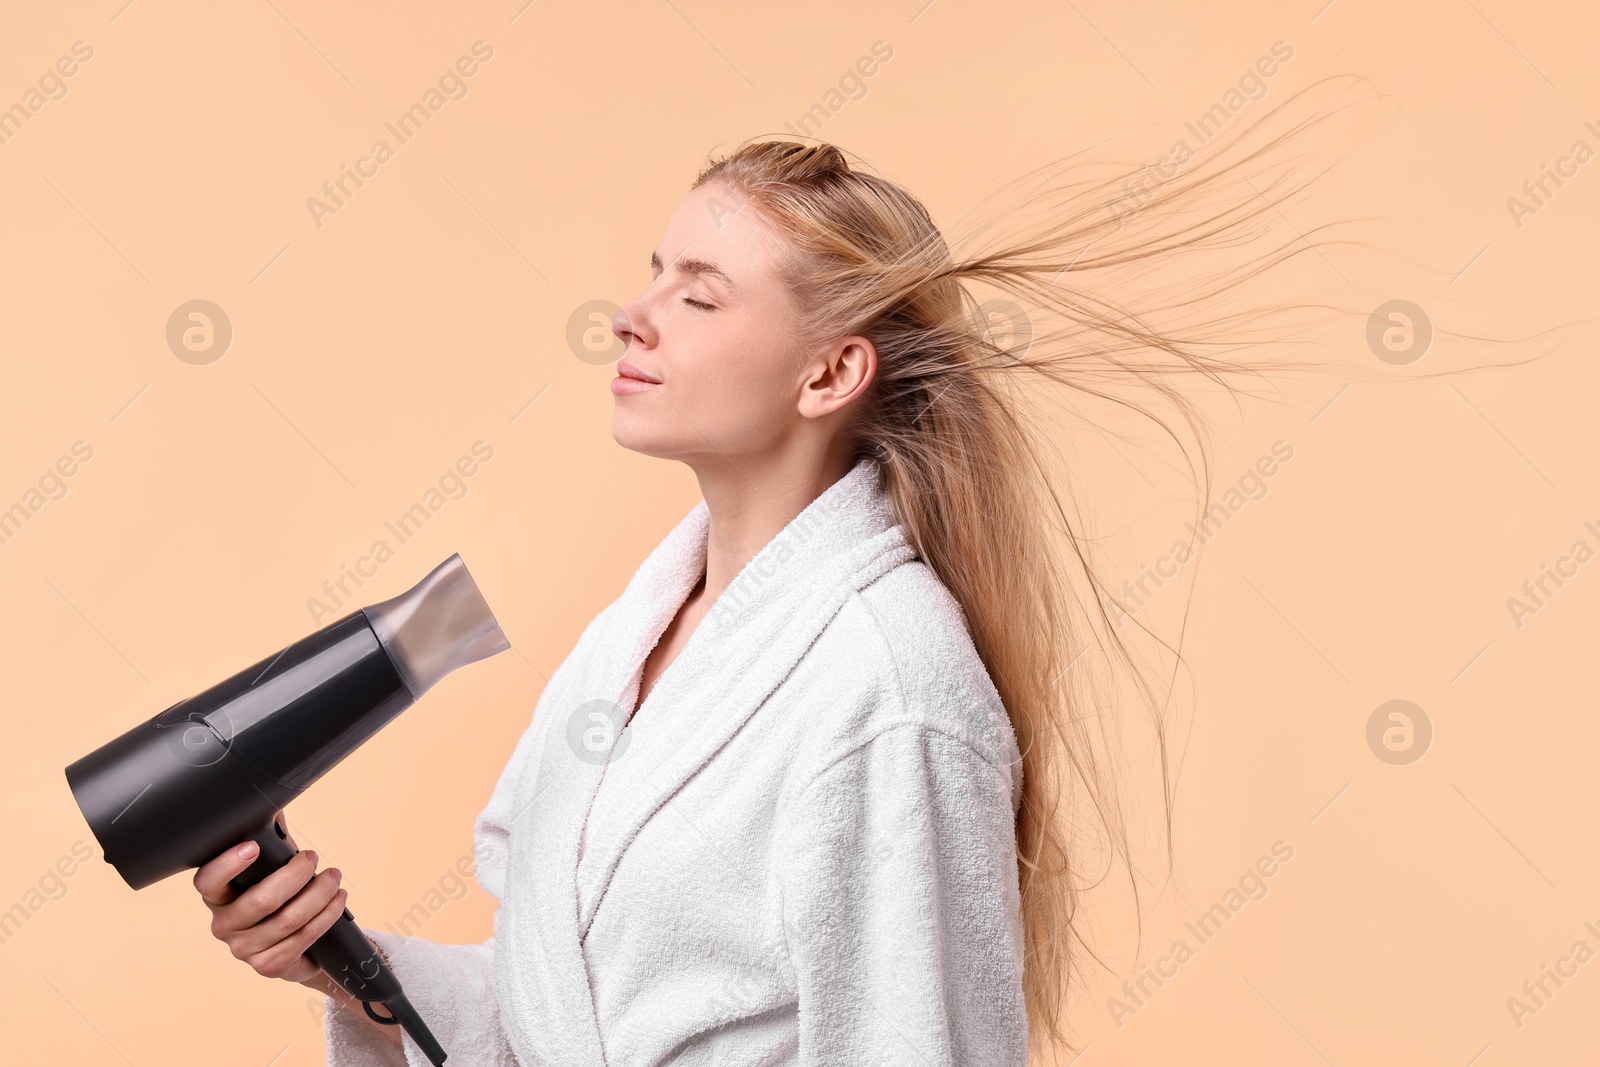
(207, 773)
(436, 626)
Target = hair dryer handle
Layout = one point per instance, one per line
(344, 952)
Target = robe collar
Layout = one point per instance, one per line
(755, 633)
(749, 641)
(814, 547)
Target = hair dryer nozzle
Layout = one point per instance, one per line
(439, 624)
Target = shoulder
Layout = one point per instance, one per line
(900, 650)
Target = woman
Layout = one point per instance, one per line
(829, 832)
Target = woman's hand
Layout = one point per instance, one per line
(271, 924)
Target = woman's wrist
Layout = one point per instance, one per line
(382, 955)
(323, 982)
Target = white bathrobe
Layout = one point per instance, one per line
(803, 848)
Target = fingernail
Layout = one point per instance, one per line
(337, 875)
(313, 854)
(248, 850)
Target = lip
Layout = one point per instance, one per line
(631, 379)
(628, 370)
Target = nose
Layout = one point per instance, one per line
(627, 323)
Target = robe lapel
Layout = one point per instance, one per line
(749, 641)
(539, 963)
(539, 955)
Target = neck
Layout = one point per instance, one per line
(750, 501)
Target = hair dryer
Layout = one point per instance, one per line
(211, 771)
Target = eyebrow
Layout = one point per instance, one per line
(696, 266)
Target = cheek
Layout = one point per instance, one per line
(729, 388)
(740, 380)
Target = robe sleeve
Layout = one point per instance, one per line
(901, 913)
(452, 988)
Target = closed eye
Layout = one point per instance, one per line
(702, 305)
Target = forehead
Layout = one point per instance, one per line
(718, 224)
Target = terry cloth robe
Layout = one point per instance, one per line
(800, 850)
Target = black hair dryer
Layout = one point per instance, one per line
(211, 771)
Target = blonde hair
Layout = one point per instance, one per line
(962, 460)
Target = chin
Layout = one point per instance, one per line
(637, 436)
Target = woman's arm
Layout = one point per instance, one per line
(901, 907)
(271, 924)
(348, 1012)
(453, 989)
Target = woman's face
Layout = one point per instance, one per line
(716, 331)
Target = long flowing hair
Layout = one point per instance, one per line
(950, 418)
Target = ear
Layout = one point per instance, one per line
(837, 376)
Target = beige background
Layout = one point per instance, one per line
(431, 309)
